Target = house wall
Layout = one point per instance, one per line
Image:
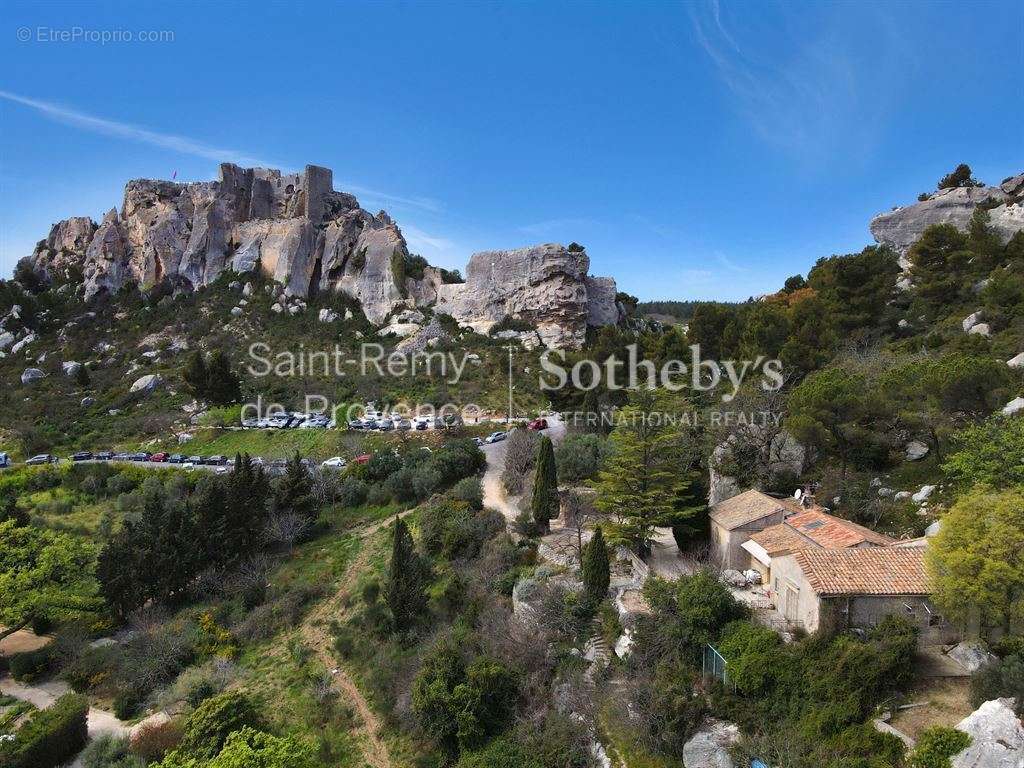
(865, 611)
(791, 593)
(728, 543)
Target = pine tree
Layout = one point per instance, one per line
(641, 479)
(295, 491)
(596, 574)
(407, 580)
(690, 519)
(544, 505)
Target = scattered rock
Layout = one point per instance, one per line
(247, 290)
(1013, 407)
(294, 309)
(19, 346)
(276, 307)
(185, 437)
(234, 285)
(327, 315)
(734, 578)
(402, 330)
(885, 492)
(1013, 362)
(924, 493)
(971, 320)
(709, 747)
(237, 311)
(147, 384)
(901, 495)
(933, 528)
(88, 402)
(903, 324)
(981, 329)
(31, 374)
(6, 340)
(970, 655)
(916, 450)
(70, 368)
(997, 737)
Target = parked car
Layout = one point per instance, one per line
(195, 460)
(336, 462)
(538, 424)
(385, 425)
(496, 437)
(403, 424)
(355, 424)
(363, 459)
(177, 458)
(81, 456)
(421, 425)
(42, 458)
(218, 461)
(121, 457)
(160, 457)
(5, 460)
(103, 456)
(140, 456)
(250, 423)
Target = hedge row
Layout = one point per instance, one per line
(51, 737)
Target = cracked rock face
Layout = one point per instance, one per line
(901, 228)
(300, 232)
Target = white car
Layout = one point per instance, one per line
(496, 437)
(334, 463)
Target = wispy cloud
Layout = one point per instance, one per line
(419, 240)
(554, 226)
(728, 263)
(807, 92)
(187, 146)
(117, 129)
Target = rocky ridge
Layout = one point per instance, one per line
(901, 227)
(298, 230)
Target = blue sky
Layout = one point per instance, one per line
(698, 150)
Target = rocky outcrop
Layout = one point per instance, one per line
(997, 737)
(544, 285)
(297, 230)
(901, 227)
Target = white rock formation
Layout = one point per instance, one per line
(970, 655)
(1014, 362)
(971, 320)
(1013, 407)
(147, 383)
(923, 494)
(981, 329)
(900, 228)
(997, 737)
(70, 367)
(916, 450)
(709, 747)
(31, 374)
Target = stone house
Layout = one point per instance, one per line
(807, 529)
(856, 588)
(736, 519)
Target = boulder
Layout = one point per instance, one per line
(971, 656)
(933, 528)
(1014, 362)
(923, 494)
(903, 324)
(6, 340)
(327, 315)
(997, 737)
(70, 368)
(981, 329)
(916, 450)
(1013, 407)
(88, 402)
(602, 303)
(734, 578)
(709, 747)
(971, 320)
(237, 311)
(402, 330)
(20, 345)
(901, 495)
(147, 384)
(31, 374)
(276, 307)
(247, 290)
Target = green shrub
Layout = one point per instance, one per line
(936, 746)
(352, 492)
(579, 457)
(51, 737)
(109, 751)
(31, 665)
(500, 753)
(999, 679)
(208, 727)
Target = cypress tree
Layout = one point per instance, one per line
(195, 375)
(406, 595)
(222, 384)
(596, 571)
(544, 505)
(295, 491)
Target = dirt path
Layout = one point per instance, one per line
(315, 634)
(44, 694)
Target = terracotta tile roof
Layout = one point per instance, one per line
(833, 532)
(779, 539)
(745, 508)
(865, 570)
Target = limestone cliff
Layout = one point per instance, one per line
(901, 227)
(297, 230)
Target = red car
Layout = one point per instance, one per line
(362, 459)
(538, 424)
(158, 456)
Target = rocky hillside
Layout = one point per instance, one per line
(297, 230)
